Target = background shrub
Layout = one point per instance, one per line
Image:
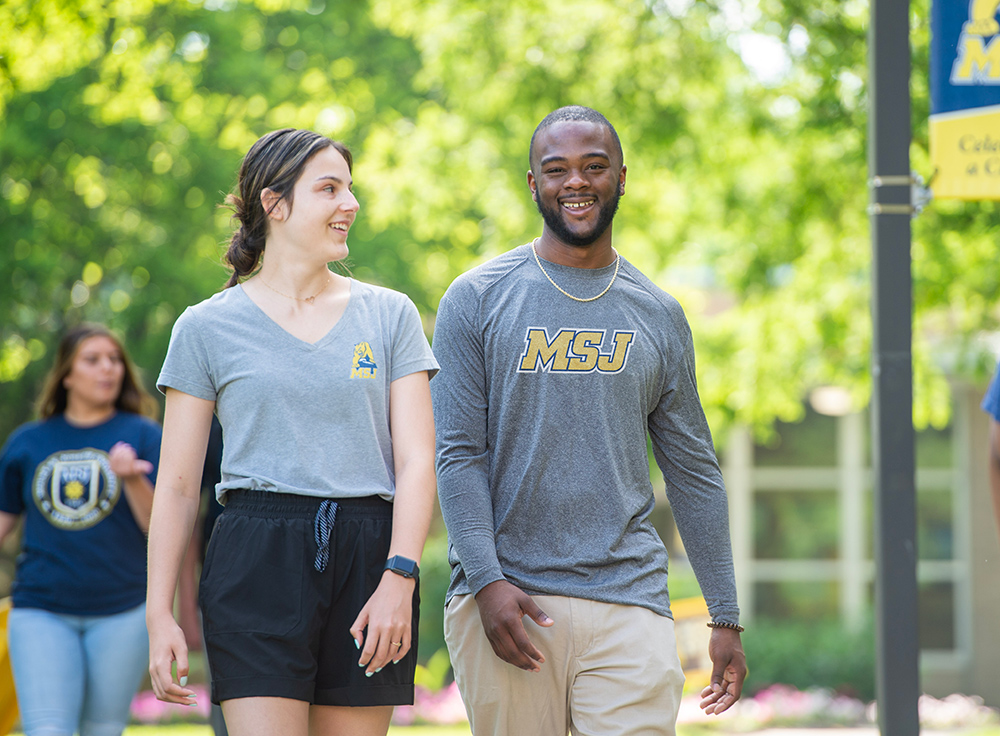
(811, 654)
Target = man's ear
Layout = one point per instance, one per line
(273, 204)
(532, 186)
(621, 181)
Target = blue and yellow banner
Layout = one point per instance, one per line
(965, 98)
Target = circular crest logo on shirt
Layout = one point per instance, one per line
(76, 489)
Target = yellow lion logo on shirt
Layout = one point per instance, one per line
(363, 365)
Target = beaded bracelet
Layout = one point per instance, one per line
(725, 625)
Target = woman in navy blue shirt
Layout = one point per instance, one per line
(82, 478)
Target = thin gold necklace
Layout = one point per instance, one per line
(307, 299)
(618, 260)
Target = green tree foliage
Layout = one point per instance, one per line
(123, 123)
(116, 154)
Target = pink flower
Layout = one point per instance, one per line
(148, 710)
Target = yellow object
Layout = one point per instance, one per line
(982, 18)
(8, 699)
(690, 617)
(965, 149)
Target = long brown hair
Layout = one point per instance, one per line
(53, 398)
(274, 162)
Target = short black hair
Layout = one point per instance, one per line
(574, 113)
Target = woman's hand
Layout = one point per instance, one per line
(126, 463)
(387, 616)
(166, 646)
(134, 476)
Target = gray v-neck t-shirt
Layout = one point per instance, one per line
(303, 418)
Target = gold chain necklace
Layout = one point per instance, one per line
(307, 299)
(618, 260)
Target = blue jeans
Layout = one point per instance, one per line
(76, 673)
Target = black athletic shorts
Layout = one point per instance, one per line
(278, 603)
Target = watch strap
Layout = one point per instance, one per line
(403, 566)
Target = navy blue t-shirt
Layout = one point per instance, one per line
(83, 552)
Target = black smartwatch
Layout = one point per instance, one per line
(402, 566)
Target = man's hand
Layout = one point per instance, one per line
(729, 669)
(501, 607)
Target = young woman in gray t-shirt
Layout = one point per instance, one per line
(309, 591)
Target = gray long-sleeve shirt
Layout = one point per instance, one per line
(542, 408)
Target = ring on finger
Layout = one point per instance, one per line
(396, 643)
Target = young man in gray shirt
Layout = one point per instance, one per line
(557, 358)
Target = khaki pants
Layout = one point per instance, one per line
(609, 670)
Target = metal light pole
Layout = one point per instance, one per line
(897, 650)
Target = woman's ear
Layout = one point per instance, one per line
(273, 204)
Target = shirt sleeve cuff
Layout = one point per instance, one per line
(481, 579)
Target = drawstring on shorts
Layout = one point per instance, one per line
(322, 512)
(326, 517)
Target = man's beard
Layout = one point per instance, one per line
(554, 221)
